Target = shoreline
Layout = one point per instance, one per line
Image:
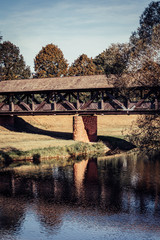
(67, 151)
(47, 137)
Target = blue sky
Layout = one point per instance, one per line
(75, 26)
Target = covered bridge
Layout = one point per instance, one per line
(81, 83)
(85, 96)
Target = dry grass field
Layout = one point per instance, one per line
(114, 125)
(35, 132)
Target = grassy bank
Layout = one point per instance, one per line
(50, 136)
(74, 150)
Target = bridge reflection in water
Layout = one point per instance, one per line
(123, 193)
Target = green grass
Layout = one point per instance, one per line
(47, 137)
(37, 155)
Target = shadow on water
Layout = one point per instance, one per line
(7, 159)
(22, 126)
(36, 159)
(5, 155)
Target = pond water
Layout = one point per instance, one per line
(104, 198)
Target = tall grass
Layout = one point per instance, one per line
(73, 150)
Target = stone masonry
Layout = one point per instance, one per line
(85, 128)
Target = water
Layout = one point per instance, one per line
(105, 198)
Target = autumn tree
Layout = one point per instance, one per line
(145, 134)
(156, 40)
(145, 47)
(149, 26)
(50, 62)
(12, 65)
(145, 68)
(141, 53)
(99, 61)
(148, 20)
(114, 59)
(144, 41)
(82, 66)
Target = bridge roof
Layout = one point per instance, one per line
(56, 84)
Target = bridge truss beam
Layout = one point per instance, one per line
(100, 101)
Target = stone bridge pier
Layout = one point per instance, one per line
(85, 128)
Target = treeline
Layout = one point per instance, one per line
(141, 56)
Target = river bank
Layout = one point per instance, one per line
(38, 137)
(35, 155)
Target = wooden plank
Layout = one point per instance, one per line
(11, 106)
(54, 103)
(139, 103)
(2, 104)
(25, 105)
(102, 101)
(78, 102)
(85, 105)
(70, 105)
(73, 95)
(63, 98)
(116, 101)
(41, 105)
(11, 103)
(33, 104)
(20, 99)
(82, 112)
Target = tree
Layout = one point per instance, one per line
(145, 134)
(156, 38)
(144, 60)
(148, 20)
(144, 38)
(12, 65)
(82, 66)
(113, 60)
(50, 62)
(149, 74)
(99, 61)
(145, 67)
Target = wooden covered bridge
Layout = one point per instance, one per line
(81, 96)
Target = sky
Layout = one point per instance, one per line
(75, 26)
